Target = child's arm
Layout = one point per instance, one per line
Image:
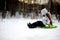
(49, 16)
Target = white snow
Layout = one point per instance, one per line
(17, 29)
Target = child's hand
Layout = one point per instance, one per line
(51, 22)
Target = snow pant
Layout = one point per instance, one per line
(36, 24)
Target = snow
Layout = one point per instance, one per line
(17, 29)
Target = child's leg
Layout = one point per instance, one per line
(31, 25)
(38, 23)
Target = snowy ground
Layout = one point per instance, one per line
(16, 29)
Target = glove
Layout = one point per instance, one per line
(50, 22)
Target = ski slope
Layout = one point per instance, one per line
(17, 29)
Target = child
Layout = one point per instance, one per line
(46, 19)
